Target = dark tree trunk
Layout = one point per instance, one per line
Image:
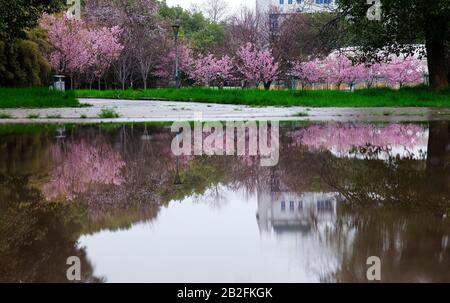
(438, 142)
(437, 53)
(267, 85)
(448, 66)
(438, 148)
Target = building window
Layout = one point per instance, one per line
(299, 2)
(291, 206)
(289, 1)
(283, 206)
(325, 205)
(323, 1)
(281, 2)
(300, 205)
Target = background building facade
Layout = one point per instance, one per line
(296, 6)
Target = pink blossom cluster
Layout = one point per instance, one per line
(337, 69)
(402, 72)
(206, 69)
(104, 48)
(257, 65)
(77, 48)
(250, 64)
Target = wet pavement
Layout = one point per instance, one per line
(147, 111)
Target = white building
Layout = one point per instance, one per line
(296, 6)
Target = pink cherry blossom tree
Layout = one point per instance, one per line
(208, 68)
(353, 74)
(70, 41)
(403, 71)
(372, 73)
(334, 65)
(79, 49)
(256, 65)
(105, 48)
(339, 69)
(309, 72)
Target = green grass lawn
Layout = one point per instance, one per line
(36, 98)
(376, 97)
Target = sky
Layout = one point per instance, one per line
(233, 4)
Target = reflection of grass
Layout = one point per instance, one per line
(53, 116)
(301, 114)
(30, 128)
(5, 116)
(108, 113)
(411, 114)
(33, 116)
(375, 97)
(36, 98)
(194, 181)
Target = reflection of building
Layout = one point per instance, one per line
(286, 211)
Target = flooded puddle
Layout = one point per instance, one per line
(340, 193)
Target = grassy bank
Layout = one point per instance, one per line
(36, 98)
(377, 97)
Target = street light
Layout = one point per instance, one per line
(177, 180)
(176, 29)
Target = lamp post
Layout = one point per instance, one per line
(177, 180)
(176, 29)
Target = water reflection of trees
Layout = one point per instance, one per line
(412, 246)
(37, 237)
(394, 207)
(393, 202)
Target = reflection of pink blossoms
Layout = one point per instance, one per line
(343, 138)
(81, 167)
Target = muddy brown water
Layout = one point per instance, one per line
(340, 193)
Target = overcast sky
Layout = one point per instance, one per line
(233, 4)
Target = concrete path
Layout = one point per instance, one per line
(148, 111)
